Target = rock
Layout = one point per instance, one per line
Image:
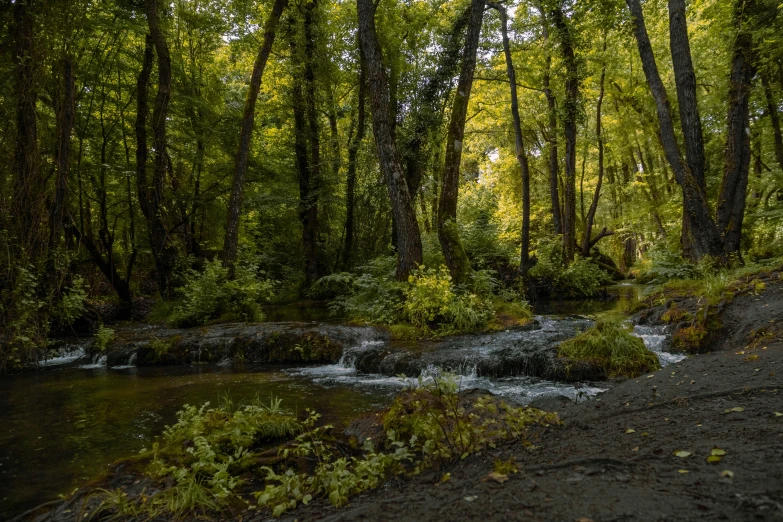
(295, 343)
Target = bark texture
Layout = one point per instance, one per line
(355, 139)
(704, 238)
(570, 117)
(554, 195)
(65, 120)
(409, 248)
(246, 133)
(586, 239)
(774, 118)
(448, 234)
(734, 185)
(28, 182)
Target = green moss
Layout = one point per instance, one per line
(612, 348)
(689, 339)
(675, 314)
(406, 332)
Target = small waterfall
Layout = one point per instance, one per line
(98, 361)
(656, 340)
(66, 355)
(132, 359)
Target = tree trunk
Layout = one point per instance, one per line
(155, 204)
(428, 113)
(557, 213)
(28, 193)
(65, 120)
(408, 236)
(448, 233)
(704, 237)
(570, 117)
(685, 80)
(231, 238)
(524, 258)
(597, 194)
(354, 142)
(309, 184)
(772, 112)
(731, 201)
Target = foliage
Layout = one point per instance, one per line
(211, 294)
(612, 348)
(581, 278)
(26, 328)
(661, 265)
(104, 337)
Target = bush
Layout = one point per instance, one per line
(661, 265)
(210, 295)
(581, 278)
(104, 337)
(611, 347)
(432, 301)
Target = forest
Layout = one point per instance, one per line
(545, 199)
(544, 145)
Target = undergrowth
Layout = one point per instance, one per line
(215, 460)
(612, 348)
(427, 304)
(211, 295)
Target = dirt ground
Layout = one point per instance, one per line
(615, 457)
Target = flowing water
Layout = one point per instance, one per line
(67, 423)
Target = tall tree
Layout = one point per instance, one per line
(355, 138)
(587, 239)
(152, 198)
(570, 120)
(409, 248)
(774, 118)
(448, 233)
(554, 195)
(704, 238)
(521, 155)
(231, 238)
(65, 107)
(28, 183)
(731, 201)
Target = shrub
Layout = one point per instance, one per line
(104, 337)
(210, 295)
(611, 347)
(661, 265)
(581, 278)
(432, 301)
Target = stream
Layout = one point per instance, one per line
(65, 424)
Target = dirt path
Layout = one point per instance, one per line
(614, 458)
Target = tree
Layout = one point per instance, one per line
(703, 237)
(570, 120)
(409, 249)
(521, 155)
(246, 133)
(448, 233)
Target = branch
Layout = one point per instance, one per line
(602, 234)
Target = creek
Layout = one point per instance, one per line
(65, 424)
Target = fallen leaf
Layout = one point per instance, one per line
(645, 434)
(497, 477)
(683, 454)
(717, 452)
(727, 473)
(471, 498)
(635, 449)
(650, 376)
(682, 471)
(778, 414)
(630, 430)
(734, 409)
(741, 352)
(713, 459)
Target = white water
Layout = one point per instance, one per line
(655, 338)
(521, 390)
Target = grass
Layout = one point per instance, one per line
(611, 347)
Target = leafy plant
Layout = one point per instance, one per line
(104, 337)
(581, 278)
(211, 294)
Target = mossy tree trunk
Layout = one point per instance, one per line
(448, 232)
